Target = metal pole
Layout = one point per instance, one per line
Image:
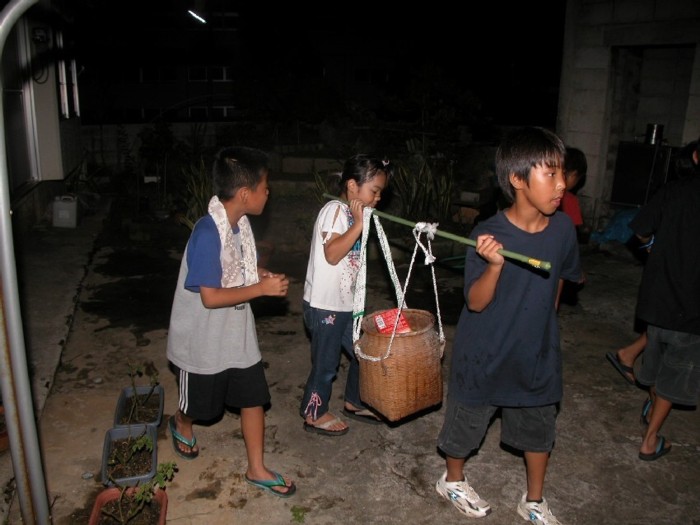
(14, 378)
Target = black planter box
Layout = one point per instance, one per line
(124, 405)
(115, 434)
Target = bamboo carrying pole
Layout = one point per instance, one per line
(535, 263)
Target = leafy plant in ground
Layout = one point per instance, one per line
(299, 514)
(325, 182)
(198, 192)
(424, 186)
(134, 501)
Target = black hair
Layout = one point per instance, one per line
(523, 149)
(683, 162)
(575, 160)
(362, 168)
(238, 167)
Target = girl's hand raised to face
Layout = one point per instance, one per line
(356, 207)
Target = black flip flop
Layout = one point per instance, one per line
(660, 451)
(623, 369)
(364, 415)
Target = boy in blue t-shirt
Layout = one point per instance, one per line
(212, 341)
(506, 351)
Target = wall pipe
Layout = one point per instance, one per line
(14, 378)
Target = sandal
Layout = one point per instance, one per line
(179, 438)
(324, 428)
(269, 484)
(661, 450)
(625, 371)
(364, 415)
(644, 416)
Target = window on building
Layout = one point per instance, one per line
(74, 87)
(197, 74)
(224, 21)
(222, 112)
(220, 73)
(128, 115)
(149, 75)
(151, 113)
(370, 76)
(131, 75)
(168, 75)
(62, 77)
(198, 112)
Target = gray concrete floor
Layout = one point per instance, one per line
(374, 474)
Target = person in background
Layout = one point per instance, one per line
(212, 341)
(575, 170)
(519, 370)
(669, 302)
(333, 266)
(686, 164)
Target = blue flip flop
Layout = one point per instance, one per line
(644, 416)
(661, 449)
(179, 438)
(269, 484)
(624, 370)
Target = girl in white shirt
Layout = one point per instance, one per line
(334, 262)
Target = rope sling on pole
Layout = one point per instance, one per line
(360, 286)
(535, 263)
(400, 373)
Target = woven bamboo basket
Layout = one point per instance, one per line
(409, 378)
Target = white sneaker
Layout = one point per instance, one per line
(537, 513)
(462, 496)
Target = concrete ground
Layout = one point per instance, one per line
(381, 474)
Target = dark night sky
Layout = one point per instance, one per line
(508, 54)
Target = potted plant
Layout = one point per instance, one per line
(129, 456)
(145, 504)
(141, 403)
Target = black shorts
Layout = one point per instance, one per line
(671, 363)
(531, 429)
(205, 397)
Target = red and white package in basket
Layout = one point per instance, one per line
(385, 322)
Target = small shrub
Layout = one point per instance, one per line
(132, 502)
(140, 402)
(197, 194)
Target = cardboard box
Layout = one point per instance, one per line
(385, 322)
(65, 211)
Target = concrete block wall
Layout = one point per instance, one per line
(593, 111)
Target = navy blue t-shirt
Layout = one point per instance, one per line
(509, 354)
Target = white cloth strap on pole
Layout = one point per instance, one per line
(360, 286)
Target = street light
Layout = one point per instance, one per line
(196, 16)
